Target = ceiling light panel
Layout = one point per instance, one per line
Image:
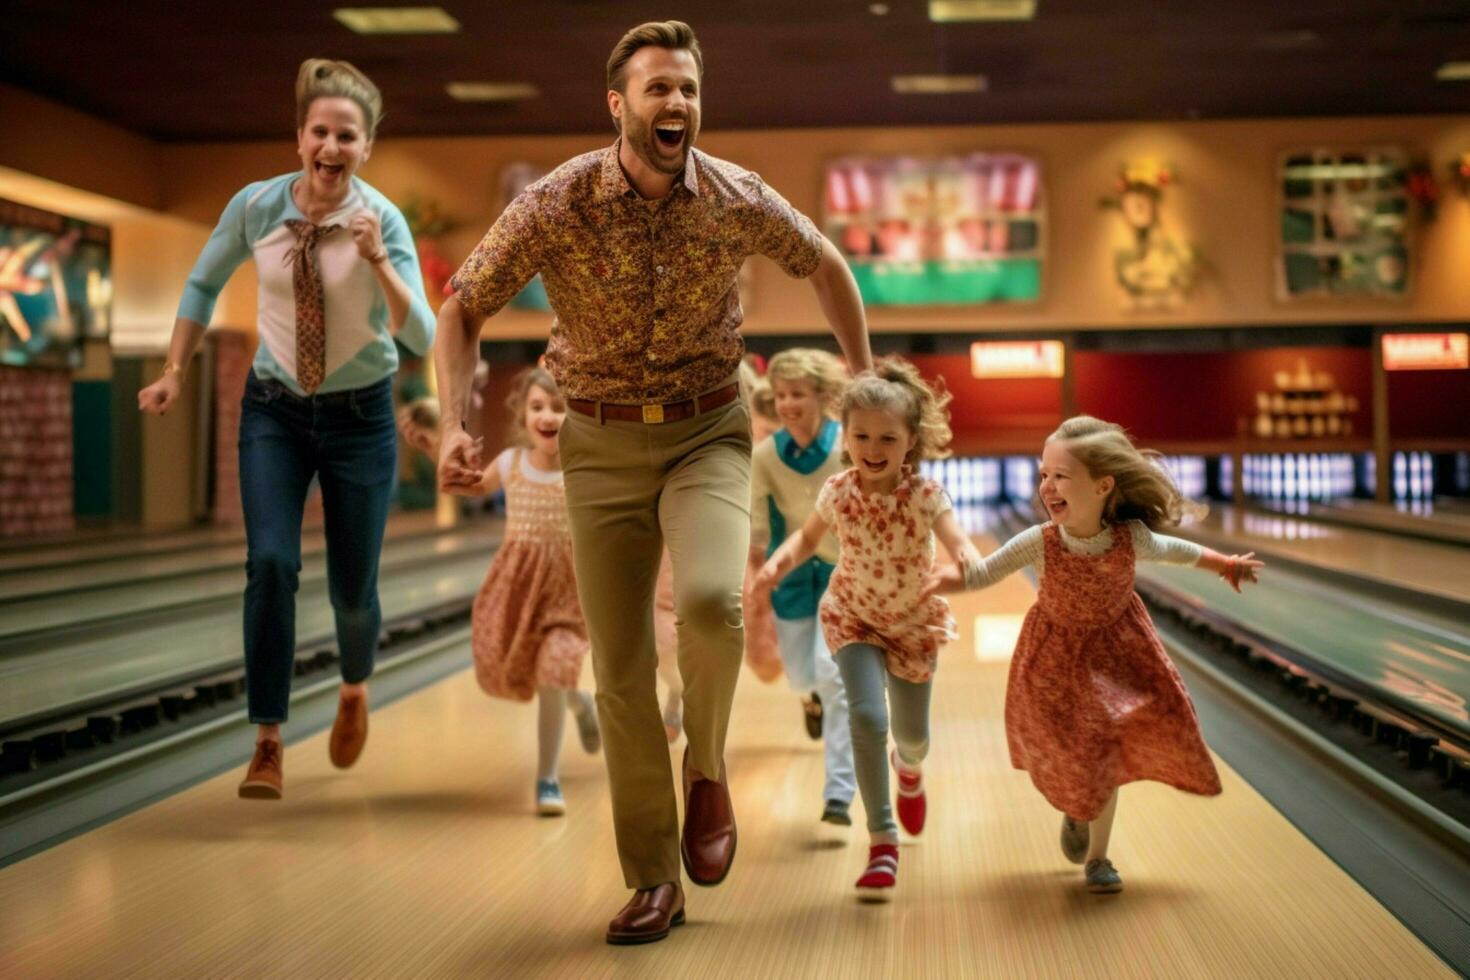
(492, 91)
(938, 84)
(961, 11)
(397, 20)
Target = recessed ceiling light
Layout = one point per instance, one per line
(956, 11)
(492, 91)
(397, 20)
(1454, 71)
(878, 9)
(938, 84)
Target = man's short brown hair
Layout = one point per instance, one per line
(673, 34)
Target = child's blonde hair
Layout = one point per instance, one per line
(1142, 490)
(756, 389)
(515, 402)
(895, 386)
(818, 368)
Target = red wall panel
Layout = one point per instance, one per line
(1201, 396)
(1019, 408)
(1429, 404)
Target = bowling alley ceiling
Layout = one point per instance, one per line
(209, 70)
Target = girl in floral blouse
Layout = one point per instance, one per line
(885, 631)
(1092, 701)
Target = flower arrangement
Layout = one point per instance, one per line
(426, 223)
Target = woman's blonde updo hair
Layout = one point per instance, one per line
(322, 78)
(818, 368)
(1143, 490)
(895, 386)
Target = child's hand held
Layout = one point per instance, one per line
(943, 579)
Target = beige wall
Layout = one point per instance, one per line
(164, 198)
(1225, 203)
(49, 140)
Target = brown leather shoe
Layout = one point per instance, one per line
(648, 916)
(708, 841)
(263, 779)
(349, 731)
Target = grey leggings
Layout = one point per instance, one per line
(866, 677)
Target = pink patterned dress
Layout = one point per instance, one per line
(874, 596)
(1093, 701)
(527, 628)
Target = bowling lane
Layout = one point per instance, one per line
(1425, 566)
(426, 860)
(102, 664)
(142, 594)
(1420, 520)
(119, 558)
(1422, 663)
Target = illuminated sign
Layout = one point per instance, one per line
(1426, 351)
(1016, 359)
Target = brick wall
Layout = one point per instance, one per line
(35, 452)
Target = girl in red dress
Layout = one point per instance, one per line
(1093, 701)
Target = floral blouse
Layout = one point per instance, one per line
(887, 550)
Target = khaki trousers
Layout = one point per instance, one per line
(632, 488)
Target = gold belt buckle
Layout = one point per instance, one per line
(653, 414)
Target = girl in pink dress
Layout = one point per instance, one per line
(1093, 701)
(885, 632)
(528, 636)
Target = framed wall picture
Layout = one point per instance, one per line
(1344, 223)
(922, 231)
(55, 286)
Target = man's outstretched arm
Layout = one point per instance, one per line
(842, 305)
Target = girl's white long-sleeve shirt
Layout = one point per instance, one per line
(1029, 548)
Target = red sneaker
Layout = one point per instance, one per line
(913, 805)
(877, 882)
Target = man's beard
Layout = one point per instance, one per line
(638, 131)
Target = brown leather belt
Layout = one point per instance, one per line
(654, 414)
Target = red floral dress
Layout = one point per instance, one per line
(1093, 701)
(887, 551)
(527, 629)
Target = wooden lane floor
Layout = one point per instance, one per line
(110, 663)
(1419, 658)
(1437, 569)
(1445, 525)
(67, 611)
(426, 860)
(121, 559)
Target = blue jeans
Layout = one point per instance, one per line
(809, 667)
(348, 441)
